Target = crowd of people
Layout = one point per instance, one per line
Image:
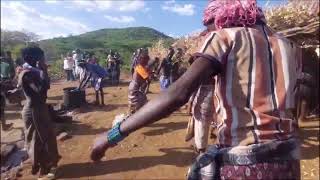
(242, 80)
(72, 69)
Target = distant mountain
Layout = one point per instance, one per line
(124, 40)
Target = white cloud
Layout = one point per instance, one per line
(183, 10)
(51, 1)
(17, 16)
(123, 6)
(120, 19)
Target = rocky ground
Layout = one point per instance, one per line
(157, 151)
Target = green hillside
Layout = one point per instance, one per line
(124, 40)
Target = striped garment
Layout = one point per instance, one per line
(254, 94)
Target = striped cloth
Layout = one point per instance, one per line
(255, 92)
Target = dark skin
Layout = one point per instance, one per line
(162, 67)
(166, 103)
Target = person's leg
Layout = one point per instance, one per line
(97, 97)
(201, 132)
(304, 110)
(71, 78)
(102, 96)
(4, 125)
(72, 75)
(67, 74)
(148, 86)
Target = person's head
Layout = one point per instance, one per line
(143, 57)
(82, 63)
(179, 52)
(171, 53)
(32, 55)
(232, 13)
(157, 59)
(69, 54)
(77, 51)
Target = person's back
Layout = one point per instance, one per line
(256, 88)
(95, 68)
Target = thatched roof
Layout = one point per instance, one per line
(296, 20)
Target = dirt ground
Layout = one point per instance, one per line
(155, 152)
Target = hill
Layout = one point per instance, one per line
(124, 40)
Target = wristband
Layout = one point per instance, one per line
(114, 135)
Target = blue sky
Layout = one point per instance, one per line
(53, 18)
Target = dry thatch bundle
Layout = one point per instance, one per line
(296, 20)
(158, 50)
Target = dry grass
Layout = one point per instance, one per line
(297, 20)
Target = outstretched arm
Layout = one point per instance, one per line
(170, 100)
(166, 103)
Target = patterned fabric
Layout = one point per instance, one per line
(262, 171)
(256, 90)
(202, 109)
(232, 13)
(136, 97)
(251, 160)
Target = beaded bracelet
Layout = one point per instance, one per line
(114, 135)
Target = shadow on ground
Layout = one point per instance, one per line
(309, 137)
(77, 170)
(78, 128)
(162, 128)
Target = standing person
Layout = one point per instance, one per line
(134, 60)
(165, 68)
(119, 62)
(77, 56)
(68, 67)
(200, 107)
(9, 60)
(137, 97)
(95, 74)
(112, 68)
(256, 135)
(5, 85)
(152, 68)
(304, 96)
(176, 62)
(41, 141)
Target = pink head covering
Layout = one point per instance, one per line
(232, 13)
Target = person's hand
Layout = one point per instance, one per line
(99, 147)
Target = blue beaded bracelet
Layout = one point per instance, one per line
(114, 135)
